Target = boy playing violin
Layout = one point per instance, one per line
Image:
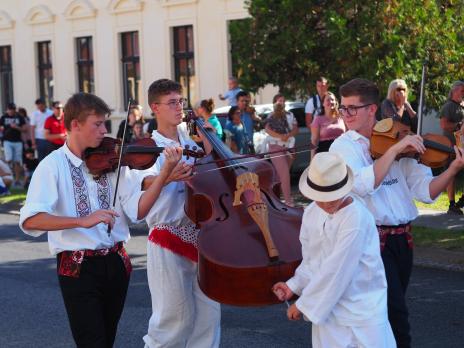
(66, 201)
(182, 314)
(389, 188)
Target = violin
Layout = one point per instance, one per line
(388, 132)
(248, 239)
(140, 154)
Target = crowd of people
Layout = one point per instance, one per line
(355, 235)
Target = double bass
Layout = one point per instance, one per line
(249, 239)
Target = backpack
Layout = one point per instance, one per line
(318, 108)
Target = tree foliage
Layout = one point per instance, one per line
(289, 43)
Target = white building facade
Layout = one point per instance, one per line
(114, 49)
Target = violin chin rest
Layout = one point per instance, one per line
(384, 125)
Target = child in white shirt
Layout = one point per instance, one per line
(341, 280)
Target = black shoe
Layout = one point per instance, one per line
(460, 202)
(454, 210)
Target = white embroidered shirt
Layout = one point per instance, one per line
(62, 186)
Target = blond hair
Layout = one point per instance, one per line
(398, 83)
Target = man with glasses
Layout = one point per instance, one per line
(389, 188)
(183, 316)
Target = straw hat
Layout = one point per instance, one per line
(327, 179)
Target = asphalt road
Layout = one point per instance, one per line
(32, 312)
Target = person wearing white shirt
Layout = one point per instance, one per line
(341, 279)
(84, 232)
(388, 188)
(37, 122)
(313, 106)
(183, 316)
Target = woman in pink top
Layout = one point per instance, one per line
(327, 127)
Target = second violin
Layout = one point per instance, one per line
(388, 132)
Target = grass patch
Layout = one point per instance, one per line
(442, 203)
(444, 239)
(17, 195)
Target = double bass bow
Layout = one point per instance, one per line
(248, 239)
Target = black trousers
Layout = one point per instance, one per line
(397, 260)
(94, 301)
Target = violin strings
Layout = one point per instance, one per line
(254, 160)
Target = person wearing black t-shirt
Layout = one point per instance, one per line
(12, 124)
(30, 163)
(135, 115)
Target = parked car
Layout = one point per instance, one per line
(302, 138)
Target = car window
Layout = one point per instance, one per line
(299, 114)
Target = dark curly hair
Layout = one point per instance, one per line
(162, 87)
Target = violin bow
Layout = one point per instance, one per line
(421, 100)
(120, 159)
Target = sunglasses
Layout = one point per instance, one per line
(401, 89)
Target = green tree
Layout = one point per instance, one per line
(289, 43)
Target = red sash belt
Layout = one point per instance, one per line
(71, 260)
(165, 239)
(384, 231)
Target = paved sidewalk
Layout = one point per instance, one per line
(440, 220)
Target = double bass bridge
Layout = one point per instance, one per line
(248, 186)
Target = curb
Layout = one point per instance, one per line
(427, 263)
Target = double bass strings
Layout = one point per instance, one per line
(253, 161)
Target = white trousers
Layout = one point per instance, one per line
(183, 316)
(336, 336)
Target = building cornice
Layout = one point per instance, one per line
(78, 9)
(40, 14)
(122, 6)
(5, 21)
(166, 3)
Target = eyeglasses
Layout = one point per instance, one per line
(401, 89)
(351, 110)
(173, 103)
